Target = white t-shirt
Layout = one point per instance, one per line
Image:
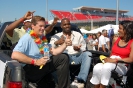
(94, 42)
(102, 41)
(107, 40)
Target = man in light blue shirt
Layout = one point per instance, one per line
(29, 52)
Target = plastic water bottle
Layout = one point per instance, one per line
(46, 50)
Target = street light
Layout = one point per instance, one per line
(117, 12)
(91, 20)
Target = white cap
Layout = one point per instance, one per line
(29, 20)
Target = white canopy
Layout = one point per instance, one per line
(84, 31)
(106, 27)
(50, 22)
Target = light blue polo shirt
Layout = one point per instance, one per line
(27, 46)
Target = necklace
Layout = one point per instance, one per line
(38, 40)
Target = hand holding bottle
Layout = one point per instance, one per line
(46, 53)
(41, 61)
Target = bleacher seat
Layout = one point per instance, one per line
(78, 16)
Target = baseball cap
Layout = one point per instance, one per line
(29, 20)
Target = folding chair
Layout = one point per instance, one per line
(120, 81)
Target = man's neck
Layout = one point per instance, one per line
(69, 34)
(25, 27)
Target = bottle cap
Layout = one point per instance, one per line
(45, 43)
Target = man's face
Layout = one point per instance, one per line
(105, 34)
(39, 28)
(66, 26)
(28, 24)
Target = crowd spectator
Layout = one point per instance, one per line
(102, 42)
(94, 42)
(98, 34)
(111, 36)
(107, 40)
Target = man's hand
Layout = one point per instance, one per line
(68, 41)
(76, 48)
(28, 15)
(50, 27)
(60, 41)
(55, 20)
(41, 61)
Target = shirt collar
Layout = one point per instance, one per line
(72, 35)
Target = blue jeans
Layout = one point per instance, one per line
(85, 60)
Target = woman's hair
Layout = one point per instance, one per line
(35, 19)
(128, 29)
(99, 33)
(94, 35)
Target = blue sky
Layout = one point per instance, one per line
(11, 9)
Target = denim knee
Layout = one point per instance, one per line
(87, 56)
(87, 53)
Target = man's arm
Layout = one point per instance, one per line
(50, 27)
(108, 44)
(58, 50)
(57, 40)
(11, 27)
(103, 44)
(102, 41)
(61, 48)
(103, 47)
(21, 57)
(98, 48)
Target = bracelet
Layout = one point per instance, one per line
(32, 62)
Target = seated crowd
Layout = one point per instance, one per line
(68, 47)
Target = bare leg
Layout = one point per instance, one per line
(97, 86)
(102, 86)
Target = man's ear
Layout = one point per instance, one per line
(32, 26)
(61, 25)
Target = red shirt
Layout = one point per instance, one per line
(124, 51)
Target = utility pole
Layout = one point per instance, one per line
(117, 12)
(47, 10)
(91, 20)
